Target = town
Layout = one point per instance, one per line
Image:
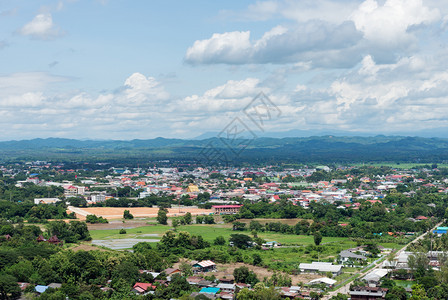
(191, 232)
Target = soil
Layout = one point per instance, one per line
(137, 212)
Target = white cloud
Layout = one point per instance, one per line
(229, 47)
(232, 96)
(389, 24)
(316, 41)
(41, 27)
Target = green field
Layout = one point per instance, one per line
(209, 233)
(394, 165)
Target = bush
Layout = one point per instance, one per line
(122, 231)
(127, 215)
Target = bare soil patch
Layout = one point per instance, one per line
(290, 222)
(86, 247)
(138, 212)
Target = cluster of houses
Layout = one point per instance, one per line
(223, 185)
(225, 287)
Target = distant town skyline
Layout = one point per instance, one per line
(109, 69)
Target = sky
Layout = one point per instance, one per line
(116, 69)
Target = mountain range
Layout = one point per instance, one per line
(304, 149)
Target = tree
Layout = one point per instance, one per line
(239, 226)
(257, 261)
(162, 216)
(243, 275)
(186, 269)
(9, 289)
(240, 240)
(187, 218)
(219, 241)
(175, 223)
(127, 215)
(317, 238)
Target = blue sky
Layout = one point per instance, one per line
(141, 69)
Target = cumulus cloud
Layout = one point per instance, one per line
(305, 42)
(385, 30)
(41, 27)
(232, 96)
(389, 24)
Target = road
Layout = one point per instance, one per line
(78, 211)
(346, 287)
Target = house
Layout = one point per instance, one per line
(373, 278)
(194, 280)
(325, 280)
(209, 290)
(204, 266)
(226, 287)
(226, 209)
(172, 271)
(323, 267)
(142, 288)
(46, 200)
(346, 255)
(54, 285)
(208, 296)
(41, 288)
(55, 241)
(368, 293)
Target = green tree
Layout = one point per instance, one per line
(317, 238)
(240, 240)
(243, 275)
(187, 218)
(219, 241)
(162, 216)
(257, 261)
(9, 289)
(127, 215)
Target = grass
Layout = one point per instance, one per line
(405, 283)
(399, 165)
(209, 233)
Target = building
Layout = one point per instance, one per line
(204, 266)
(46, 200)
(327, 281)
(226, 209)
(192, 189)
(142, 288)
(323, 267)
(346, 255)
(368, 293)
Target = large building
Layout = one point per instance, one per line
(226, 209)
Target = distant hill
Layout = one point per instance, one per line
(304, 149)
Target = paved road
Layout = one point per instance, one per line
(346, 287)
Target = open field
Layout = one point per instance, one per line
(138, 212)
(290, 222)
(398, 165)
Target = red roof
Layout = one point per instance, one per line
(144, 286)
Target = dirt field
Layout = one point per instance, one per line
(226, 270)
(290, 222)
(86, 247)
(138, 212)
